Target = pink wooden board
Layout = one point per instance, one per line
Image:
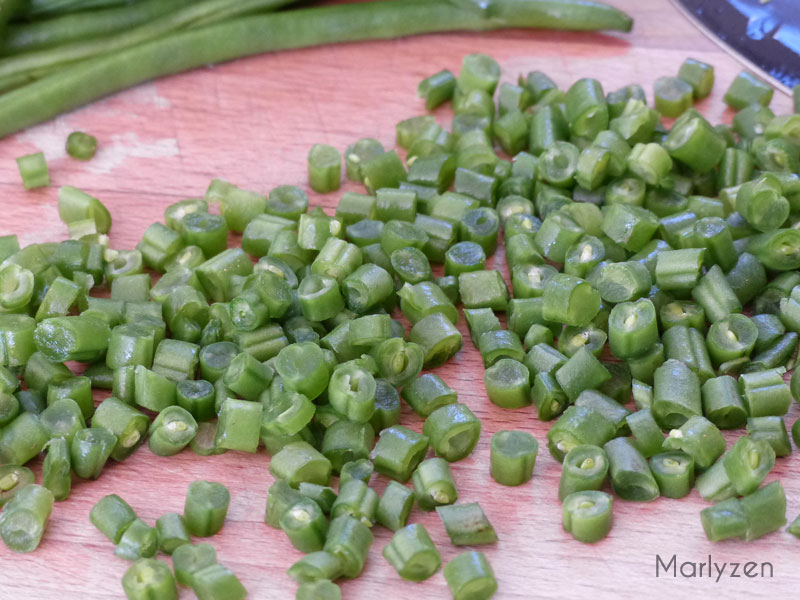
(252, 122)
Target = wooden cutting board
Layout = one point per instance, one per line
(252, 122)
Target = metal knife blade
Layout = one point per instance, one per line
(765, 34)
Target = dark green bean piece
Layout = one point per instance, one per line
(25, 517)
(777, 355)
(724, 520)
(570, 300)
(172, 532)
(345, 441)
(206, 507)
(425, 298)
(139, 540)
(765, 393)
(198, 398)
(148, 577)
(507, 383)
(357, 500)
(428, 393)
(722, 403)
(398, 452)
(387, 405)
(748, 463)
(433, 484)
(771, 430)
(466, 524)
(632, 328)
(698, 438)
(646, 433)
(187, 559)
(699, 75)
(171, 431)
(674, 473)
(513, 457)
(556, 235)
(694, 142)
(470, 576)
(360, 469)
(765, 510)
(112, 515)
(731, 338)
(453, 431)
(630, 474)
(587, 110)
(247, 376)
(676, 394)
(56, 472)
(366, 287)
(635, 124)
(316, 566)
(606, 406)
(579, 425)
(587, 515)
(748, 89)
(349, 540)
(322, 589)
(324, 169)
(585, 468)
(689, 347)
(13, 478)
(217, 579)
(770, 330)
(76, 388)
(582, 371)
(683, 313)
(547, 396)
(411, 265)
(394, 506)
(125, 422)
(498, 344)
(629, 225)
(778, 250)
(305, 525)
(63, 419)
(90, 448)
(438, 337)
(72, 338)
(39, 373)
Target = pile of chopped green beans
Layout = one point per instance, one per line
(633, 250)
(195, 565)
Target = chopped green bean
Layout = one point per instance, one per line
(587, 515)
(470, 576)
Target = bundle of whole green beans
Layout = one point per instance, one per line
(54, 65)
(633, 250)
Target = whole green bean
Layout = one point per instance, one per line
(8, 9)
(76, 85)
(25, 37)
(31, 66)
(37, 9)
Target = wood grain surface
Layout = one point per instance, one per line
(252, 122)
